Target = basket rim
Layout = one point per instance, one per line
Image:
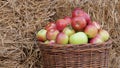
(72, 45)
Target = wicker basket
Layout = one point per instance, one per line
(75, 56)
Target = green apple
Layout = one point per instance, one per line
(68, 31)
(78, 38)
(47, 42)
(41, 35)
(104, 35)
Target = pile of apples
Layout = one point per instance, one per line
(78, 29)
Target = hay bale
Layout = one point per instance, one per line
(20, 19)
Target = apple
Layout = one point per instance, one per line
(68, 31)
(96, 24)
(78, 38)
(61, 24)
(96, 39)
(52, 34)
(91, 31)
(52, 42)
(104, 35)
(41, 35)
(77, 12)
(78, 23)
(62, 38)
(68, 19)
(87, 17)
(47, 42)
(50, 25)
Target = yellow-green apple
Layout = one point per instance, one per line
(91, 31)
(49, 42)
(61, 24)
(78, 23)
(68, 31)
(50, 25)
(104, 35)
(52, 34)
(78, 38)
(68, 19)
(62, 38)
(41, 35)
(96, 39)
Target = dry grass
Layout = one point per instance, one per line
(20, 19)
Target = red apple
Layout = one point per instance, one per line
(41, 35)
(68, 19)
(78, 23)
(96, 39)
(77, 12)
(68, 31)
(104, 35)
(96, 24)
(52, 42)
(62, 38)
(91, 31)
(61, 24)
(50, 25)
(87, 17)
(52, 34)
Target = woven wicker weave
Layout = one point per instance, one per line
(75, 56)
